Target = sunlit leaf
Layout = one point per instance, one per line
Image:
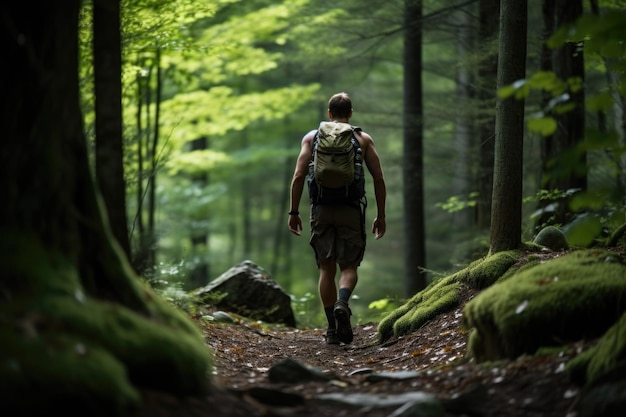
(378, 304)
(506, 91)
(545, 126)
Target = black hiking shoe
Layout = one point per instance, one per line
(342, 315)
(331, 337)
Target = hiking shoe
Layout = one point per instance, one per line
(342, 315)
(331, 337)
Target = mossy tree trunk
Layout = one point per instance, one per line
(76, 324)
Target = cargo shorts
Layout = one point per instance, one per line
(338, 232)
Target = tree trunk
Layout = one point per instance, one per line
(506, 203)
(489, 17)
(79, 326)
(108, 92)
(464, 121)
(413, 165)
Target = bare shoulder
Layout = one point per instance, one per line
(308, 138)
(365, 140)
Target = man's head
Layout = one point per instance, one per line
(340, 106)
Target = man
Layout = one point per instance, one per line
(338, 231)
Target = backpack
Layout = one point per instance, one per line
(336, 168)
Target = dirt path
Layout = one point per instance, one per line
(524, 387)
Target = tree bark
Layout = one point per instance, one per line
(108, 92)
(413, 165)
(506, 203)
(489, 17)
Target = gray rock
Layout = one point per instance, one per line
(292, 371)
(381, 400)
(397, 376)
(419, 408)
(249, 291)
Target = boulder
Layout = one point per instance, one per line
(248, 290)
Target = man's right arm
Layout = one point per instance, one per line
(374, 166)
(297, 182)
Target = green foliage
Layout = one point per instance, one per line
(456, 203)
(304, 311)
(583, 230)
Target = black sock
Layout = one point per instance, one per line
(330, 316)
(344, 294)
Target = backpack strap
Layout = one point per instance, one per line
(313, 144)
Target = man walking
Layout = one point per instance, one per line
(338, 230)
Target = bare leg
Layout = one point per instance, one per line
(326, 286)
(348, 278)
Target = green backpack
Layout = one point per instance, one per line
(336, 169)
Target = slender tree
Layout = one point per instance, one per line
(413, 164)
(464, 120)
(506, 205)
(107, 56)
(489, 15)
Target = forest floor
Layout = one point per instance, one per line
(528, 386)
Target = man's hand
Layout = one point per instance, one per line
(295, 224)
(379, 226)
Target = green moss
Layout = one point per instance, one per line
(442, 295)
(79, 347)
(551, 237)
(607, 354)
(568, 298)
(484, 272)
(62, 372)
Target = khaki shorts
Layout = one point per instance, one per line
(338, 232)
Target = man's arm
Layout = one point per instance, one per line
(297, 182)
(372, 160)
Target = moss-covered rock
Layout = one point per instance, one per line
(551, 237)
(602, 371)
(574, 296)
(443, 294)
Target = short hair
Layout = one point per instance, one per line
(340, 105)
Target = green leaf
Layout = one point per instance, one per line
(506, 91)
(545, 126)
(600, 102)
(583, 230)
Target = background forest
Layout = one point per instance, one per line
(217, 95)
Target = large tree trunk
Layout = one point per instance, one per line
(81, 329)
(506, 205)
(413, 164)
